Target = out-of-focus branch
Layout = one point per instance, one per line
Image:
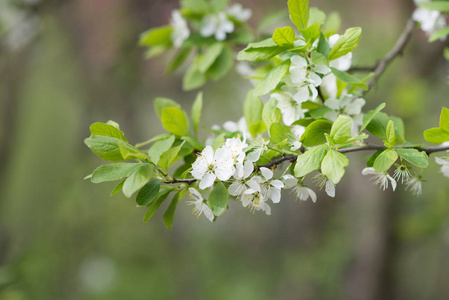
(397, 50)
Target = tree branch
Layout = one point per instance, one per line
(292, 158)
(382, 64)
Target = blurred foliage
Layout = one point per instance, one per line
(64, 238)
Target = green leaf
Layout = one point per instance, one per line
(346, 43)
(370, 115)
(333, 165)
(349, 79)
(160, 147)
(178, 59)
(195, 5)
(436, 135)
(193, 142)
(260, 51)
(319, 59)
(272, 79)
(442, 6)
(257, 128)
(252, 109)
(219, 5)
(316, 16)
(341, 129)
(197, 107)
(175, 121)
(444, 119)
(314, 134)
(378, 125)
(208, 58)
(311, 33)
(385, 160)
(148, 193)
(310, 160)
(218, 199)
(129, 152)
(137, 179)
(107, 130)
(284, 37)
(193, 78)
(113, 172)
(105, 147)
(398, 129)
(169, 156)
(391, 136)
(270, 113)
(118, 188)
(279, 133)
(219, 141)
(299, 12)
(156, 36)
(372, 158)
(323, 46)
(170, 212)
(161, 103)
(163, 194)
(222, 65)
(439, 34)
(415, 157)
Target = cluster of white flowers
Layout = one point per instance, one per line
(430, 20)
(221, 24)
(220, 164)
(347, 105)
(412, 182)
(380, 178)
(181, 30)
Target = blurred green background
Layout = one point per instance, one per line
(75, 62)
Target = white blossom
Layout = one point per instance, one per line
(302, 192)
(342, 63)
(291, 109)
(349, 106)
(402, 173)
(243, 171)
(254, 199)
(294, 140)
(238, 126)
(303, 77)
(258, 147)
(180, 29)
(199, 205)
(239, 13)
(322, 181)
(209, 166)
(217, 25)
(380, 178)
(430, 20)
(270, 188)
(444, 162)
(414, 184)
(329, 85)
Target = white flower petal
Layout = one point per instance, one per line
(275, 195)
(299, 61)
(267, 173)
(207, 181)
(322, 69)
(277, 184)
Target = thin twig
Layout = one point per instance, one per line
(292, 158)
(396, 51)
